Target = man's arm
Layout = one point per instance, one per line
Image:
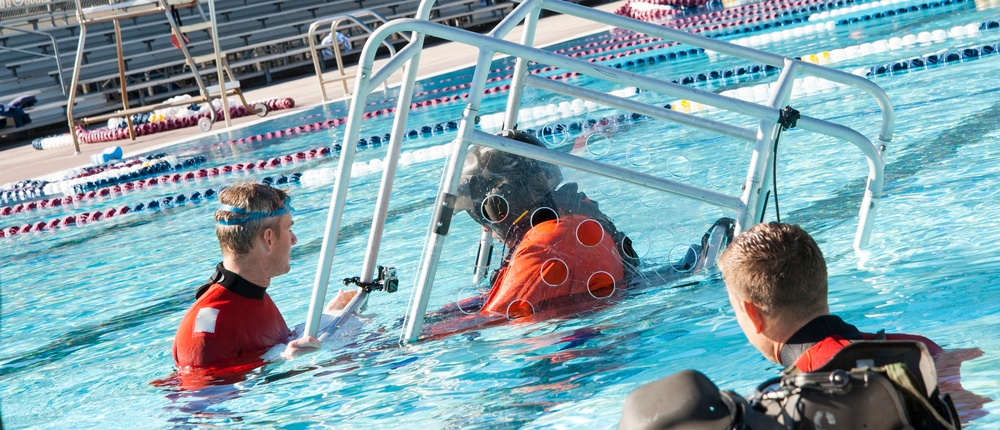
(308, 343)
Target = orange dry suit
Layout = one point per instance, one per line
(563, 265)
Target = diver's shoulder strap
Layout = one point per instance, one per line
(905, 382)
(907, 365)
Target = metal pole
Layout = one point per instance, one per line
(438, 230)
(71, 100)
(759, 173)
(339, 196)
(317, 65)
(218, 64)
(122, 83)
(520, 70)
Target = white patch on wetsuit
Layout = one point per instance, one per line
(205, 321)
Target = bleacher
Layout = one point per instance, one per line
(261, 40)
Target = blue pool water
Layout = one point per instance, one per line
(89, 312)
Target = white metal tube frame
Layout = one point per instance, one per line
(55, 52)
(410, 57)
(334, 22)
(489, 45)
(114, 13)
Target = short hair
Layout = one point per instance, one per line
(235, 236)
(779, 268)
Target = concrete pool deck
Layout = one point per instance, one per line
(19, 161)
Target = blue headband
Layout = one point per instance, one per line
(287, 208)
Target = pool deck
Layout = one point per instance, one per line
(19, 161)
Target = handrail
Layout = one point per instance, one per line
(888, 116)
(334, 22)
(339, 196)
(55, 52)
(749, 205)
(114, 12)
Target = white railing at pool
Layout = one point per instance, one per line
(749, 206)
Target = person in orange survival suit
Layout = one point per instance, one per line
(564, 255)
(234, 322)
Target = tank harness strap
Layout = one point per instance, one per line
(901, 376)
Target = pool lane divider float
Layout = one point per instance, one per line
(156, 204)
(31, 191)
(752, 24)
(157, 121)
(552, 112)
(578, 107)
(616, 44)
(961, 55)
(888, 11)
(792, 33)
(811, 85)
(572, 130)
(325, 175)
(153, 163)
(22, 190)
(97, 215)
(121, 184)
(738, 16)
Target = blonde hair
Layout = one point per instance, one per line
(236, 231)
(779, 268)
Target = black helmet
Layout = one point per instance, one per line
(498, 187)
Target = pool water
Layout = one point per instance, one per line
(90, 311)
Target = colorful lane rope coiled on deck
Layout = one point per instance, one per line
(107, 134)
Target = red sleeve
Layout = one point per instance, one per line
(205, 335)
(932, 347)
(820, 353)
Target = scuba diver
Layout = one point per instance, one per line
(835, 377)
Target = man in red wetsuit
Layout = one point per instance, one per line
(776, 278)
(565, 254)
(233, 321)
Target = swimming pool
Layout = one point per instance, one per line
(90, 311)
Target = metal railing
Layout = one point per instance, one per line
(334, 23)
(114, 12)
(55, 52)
(749, 205)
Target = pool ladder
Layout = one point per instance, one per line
(115, 11)
(749, 206)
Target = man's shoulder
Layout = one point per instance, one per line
(932, 346)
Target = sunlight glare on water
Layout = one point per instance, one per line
(89, 312)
